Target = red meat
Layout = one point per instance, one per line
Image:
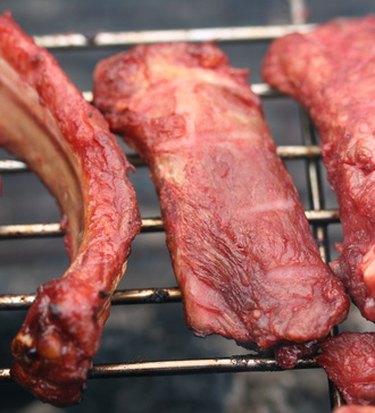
(241, 247)
(45, 121)
(355, 409)
(287, 355)
(349, 361)
(331, 72)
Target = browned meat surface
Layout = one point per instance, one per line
(331, 72)
(288, 355)
(241, 247)
(349, 361)
(45, 121)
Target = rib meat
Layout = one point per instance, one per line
(240, 244)
(45, 121)
(349, 361)
(331, 72)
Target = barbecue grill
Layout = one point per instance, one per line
(315, 187)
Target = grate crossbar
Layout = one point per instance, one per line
(71, 41)
(233, 364)
(285, 152)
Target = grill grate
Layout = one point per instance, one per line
(318, 216)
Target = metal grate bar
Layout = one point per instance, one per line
(285, 152)
(322, 216)
(220, 34)
(54, 229)
(234, 364)
(260, 89)
(297, 11)
(320, 229)
(135, 296)
(315, 187)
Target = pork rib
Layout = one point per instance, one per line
(349, 361)
(45, 121)
(331, 72)
(241, 248)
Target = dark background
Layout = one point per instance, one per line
(154, 332)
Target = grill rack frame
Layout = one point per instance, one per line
(318, 216)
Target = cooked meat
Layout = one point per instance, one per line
(331, 72)
(241, 248)
(349, 361)
(287, 355)
(355, 409)
(45, 121)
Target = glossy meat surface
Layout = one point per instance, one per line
(46, 122)
(349, 361)
(240, 245)
(331, 72)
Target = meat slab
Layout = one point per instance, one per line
(46, 122)
(241, 247)
(349, 361)
(331, 72)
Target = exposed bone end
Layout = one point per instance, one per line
(50, 347)
(53, 350)
(36, 369)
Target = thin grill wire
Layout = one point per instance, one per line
(319, 217)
